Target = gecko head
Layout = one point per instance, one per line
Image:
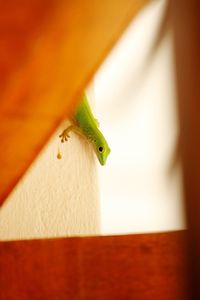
(102, 151)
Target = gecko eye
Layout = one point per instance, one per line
(100, 149)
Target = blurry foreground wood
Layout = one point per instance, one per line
(186, 25)
(49, 51)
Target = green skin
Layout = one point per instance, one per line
(87, 125)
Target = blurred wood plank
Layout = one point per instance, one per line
(143, 266)
(186, 23)
(49, 51)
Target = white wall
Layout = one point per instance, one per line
(136, 106)
(55, 197)
(137, 114)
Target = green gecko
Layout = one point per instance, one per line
(86, 125)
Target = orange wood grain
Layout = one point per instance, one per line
(49, 50)
(143, 266)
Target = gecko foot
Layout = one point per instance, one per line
(64, 136)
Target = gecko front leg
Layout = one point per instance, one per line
(65, 134)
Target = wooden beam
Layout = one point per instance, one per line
(143, 266)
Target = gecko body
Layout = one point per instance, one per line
(86, 125)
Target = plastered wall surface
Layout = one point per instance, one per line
(139, 189)
(135, 95)
(55, 197)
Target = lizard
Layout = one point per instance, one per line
(85, 124)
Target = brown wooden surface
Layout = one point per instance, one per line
(139, 267)
(186, 24)
(49, 50)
